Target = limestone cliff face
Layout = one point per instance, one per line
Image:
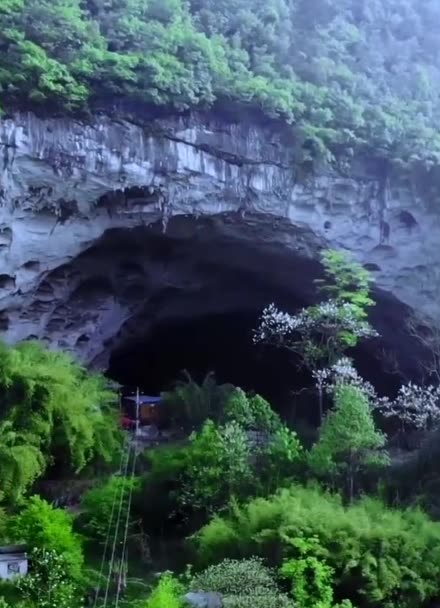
(108, 225)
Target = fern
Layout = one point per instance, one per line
(52, 410)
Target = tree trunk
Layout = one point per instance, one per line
(351, 485)
(320, 405)
(351, 471)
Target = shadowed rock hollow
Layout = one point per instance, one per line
(111, 231)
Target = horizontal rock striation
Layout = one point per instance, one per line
(107, 225)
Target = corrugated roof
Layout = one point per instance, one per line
(145, 399)
(10, 549)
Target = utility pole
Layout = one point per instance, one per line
(137, 411)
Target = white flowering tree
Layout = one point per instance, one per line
(321, 333)
(343, 373)
(48, 585)
(318, 333)
(414, 406)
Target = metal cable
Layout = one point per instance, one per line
(115, 538)
(107, 539)
(127, 523)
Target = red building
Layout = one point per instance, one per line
(149, 409)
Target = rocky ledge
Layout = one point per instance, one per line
(108, 225)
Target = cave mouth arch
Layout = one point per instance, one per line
(208, 286)
(220, 275)
(220, 343)
(134, 301)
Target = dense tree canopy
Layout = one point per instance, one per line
(344, 72)
(52, 413)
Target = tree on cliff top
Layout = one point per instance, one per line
(347, 74)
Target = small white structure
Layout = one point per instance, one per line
(13, 562)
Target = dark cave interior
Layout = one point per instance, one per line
(222, 343)
(191, 298)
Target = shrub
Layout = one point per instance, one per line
(43, 527)
(242, 584)
(311, 578)
(348, 439)
(167, 594)
(219, 463)
(379, 556)
(98, 504)
(252, 412)
(48, 585)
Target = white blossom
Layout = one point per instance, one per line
(329, 316)
(343, 372)
(414, 405)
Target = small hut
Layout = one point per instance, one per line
(150, 409)
(13, 561)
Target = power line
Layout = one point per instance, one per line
(127, 523)
(110, 523)
(115, 538)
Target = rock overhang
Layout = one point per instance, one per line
(229, 195)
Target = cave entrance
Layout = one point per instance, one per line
(196, 295)
(144, 304)
(192, 297)
(219, 343)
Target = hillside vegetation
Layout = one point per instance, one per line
(350, 73)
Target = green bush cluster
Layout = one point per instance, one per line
(250, 452)
(242, 584)
(56, 575)
(54, 412)
(379, 556)
(168, 593)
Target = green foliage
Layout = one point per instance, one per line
(20, 462)
(167, 594)
(252, 412)
(204, 474)
(347, 285)
(311, 578)
(379, 556)
(53, 412)
(324, 67)
(46, 528)
(242, 584)
(217, 466)
(348, 439)
(48, 585)
(346, 282)
(189, 404)
(98, 504)
(249, 453)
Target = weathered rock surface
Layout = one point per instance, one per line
(109, 225)
(203, 600)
